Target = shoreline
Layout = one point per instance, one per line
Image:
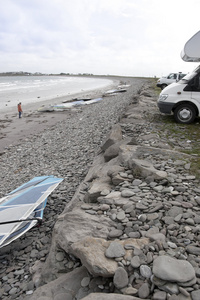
(14, 130)
(59, 99)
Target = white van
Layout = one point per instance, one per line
(183, 98)
(166, 80)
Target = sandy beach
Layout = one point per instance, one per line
(14, 130)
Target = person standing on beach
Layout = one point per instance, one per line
(19, 109)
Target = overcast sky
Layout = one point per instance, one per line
(116, 37)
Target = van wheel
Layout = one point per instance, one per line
(163, 86)
(185, 113)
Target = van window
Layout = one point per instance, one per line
(172, 76)
(190, 75)
(193, 84)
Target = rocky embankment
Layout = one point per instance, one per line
(133, 224)
(131, 230)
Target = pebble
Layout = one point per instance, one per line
(120, 278)
(115, 233)
(195, 295)
(115, 250)
(193, 250)
(145, 271)
(127, 193)
(144, 291)
(130, 291)
(85, 281)
(60, 256)
(173, 270)
(135, 261)
(121, 215)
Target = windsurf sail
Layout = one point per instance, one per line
(23, 208)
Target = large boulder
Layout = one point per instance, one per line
(114, 136)
(145, 169)
(67, 286)
(95, 189)
(71, 227)
(93, 253)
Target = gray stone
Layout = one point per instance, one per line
(60, 256)
(96, 187)
(85, 281)
(188, 283)
(134, 235)
(193, 250)
(82, 293)
(115, 250)
(127, 193)
(19, 272)
(169, 287)
(195, 295)
(67, 282)
(144, 291)
(171, 245)
(120, 278)
(91, 252)
(158, 188)
(171, 269)
(184, 292)
(135, 262)
(136, 182)
(115, 233)
(160, 295)
(111, 152)
(157, 237)
(174, 211)
(13, 291)
(121, 215)
(141, 206)
(152, 216)
(145, 271)
(130, 291)
(145, 169)
(142, 217)
(114, 136)
(129, 209)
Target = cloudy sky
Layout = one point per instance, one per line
(116, 37)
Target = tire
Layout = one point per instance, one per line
(163, 86)
(185, 113)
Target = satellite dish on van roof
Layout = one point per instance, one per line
(191, 50)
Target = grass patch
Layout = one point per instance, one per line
(184, 137)
(187, 135)
(156, 89)
(195, 167)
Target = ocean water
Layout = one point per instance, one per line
(33, 89)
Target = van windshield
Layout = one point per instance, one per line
(190, 75)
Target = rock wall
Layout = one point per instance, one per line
(131, 230)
